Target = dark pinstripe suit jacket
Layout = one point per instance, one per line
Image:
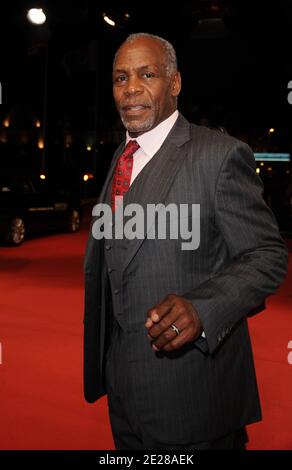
(208, 388)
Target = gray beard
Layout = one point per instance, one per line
(138, 127)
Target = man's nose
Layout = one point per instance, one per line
(134, 86)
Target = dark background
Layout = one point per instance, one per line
(234, 57)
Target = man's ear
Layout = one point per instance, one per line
(176, 84)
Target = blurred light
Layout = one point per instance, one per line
(108, 20)
(3, 138)
(88, 176)
(262, 163)
(288, 172)
(41, 144)
(258, 170)
(272, 157)
(271, 130)
(89, 148)
(42, 176)
(36, 16)
(270, 168)
(127, 15)
(68, 141)
(6, 122)
(37, 123)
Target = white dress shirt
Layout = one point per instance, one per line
(150, 142)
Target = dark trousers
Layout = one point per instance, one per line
(128, 436)
(127, 433)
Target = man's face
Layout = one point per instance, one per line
(143, 93)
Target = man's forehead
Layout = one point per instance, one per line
(124, 66)
(144, 50)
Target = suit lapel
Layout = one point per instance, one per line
(152, 188)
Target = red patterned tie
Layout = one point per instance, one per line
(123, 172)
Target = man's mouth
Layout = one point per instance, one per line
(136, 107)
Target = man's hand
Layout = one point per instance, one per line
(172, 310)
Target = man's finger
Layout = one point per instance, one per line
(156, 313)
(168, 334)
(177, 342)
(178, 316)
(165, 323)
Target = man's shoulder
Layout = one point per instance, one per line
(213, 137)
(205, 139)
(213, 145)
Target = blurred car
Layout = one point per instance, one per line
(28, 206)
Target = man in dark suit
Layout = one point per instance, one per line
(166, 334)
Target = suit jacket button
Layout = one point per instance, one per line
(116, 291)
(107, 247)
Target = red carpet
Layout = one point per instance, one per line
(41, 401)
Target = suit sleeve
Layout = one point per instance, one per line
(257, 252)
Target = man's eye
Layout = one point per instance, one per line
(120, 78)
(148, 74)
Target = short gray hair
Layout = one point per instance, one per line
(170, 54)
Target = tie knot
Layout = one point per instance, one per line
(130, 148)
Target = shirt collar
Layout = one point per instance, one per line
(151, 141)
